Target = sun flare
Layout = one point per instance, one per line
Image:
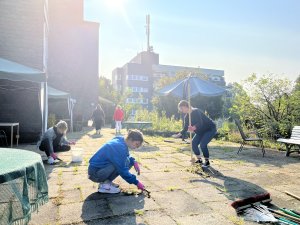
(115, 4)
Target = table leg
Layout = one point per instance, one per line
(18, 135)
(11, 136)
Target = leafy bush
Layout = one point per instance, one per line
(161, 124)
(51, 120)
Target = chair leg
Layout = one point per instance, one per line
(263, 148)
(288, 149)
(241, 147)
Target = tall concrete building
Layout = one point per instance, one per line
(140, 74)
(73, 54)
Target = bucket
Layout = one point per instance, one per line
(77, 154)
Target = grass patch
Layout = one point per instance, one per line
(166, 170)
(236, 220)
(57, 200)
(146, 166)
(172, 188)
(139, 212)
(75, 170)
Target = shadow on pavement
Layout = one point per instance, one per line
(233, 188)
(112, 209)
(250, 154)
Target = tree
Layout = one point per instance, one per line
(106, 88)
(267, 101)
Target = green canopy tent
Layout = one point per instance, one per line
(12, 71)
(56, 94)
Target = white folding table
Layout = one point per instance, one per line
(11, 125)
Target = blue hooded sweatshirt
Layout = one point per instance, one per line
(115, 152)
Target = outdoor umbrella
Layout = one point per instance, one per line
(191, 86)
(196, 85)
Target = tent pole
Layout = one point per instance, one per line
(190, 121)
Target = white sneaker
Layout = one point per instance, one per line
(50, 160)
(108, 188)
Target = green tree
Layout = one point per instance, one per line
(267, 101)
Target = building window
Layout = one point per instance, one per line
(137, 77)
(139, 89)
(137, 100)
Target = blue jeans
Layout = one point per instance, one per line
(100, 175)
(203, 140)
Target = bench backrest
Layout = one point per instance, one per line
(296, 133)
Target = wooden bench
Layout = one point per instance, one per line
(293, 141)
(137, 125)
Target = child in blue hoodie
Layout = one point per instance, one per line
(113, 159)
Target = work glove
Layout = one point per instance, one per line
(72, 142)
(177, 135)
(137, 168)
(191, 128)
(54, 156)
(140, 186)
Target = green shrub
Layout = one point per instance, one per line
(51, 120)
(160, 124)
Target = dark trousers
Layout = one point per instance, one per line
(203, 140)
(45, 147)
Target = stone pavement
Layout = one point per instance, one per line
(180, 193)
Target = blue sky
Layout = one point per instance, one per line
(239, 37)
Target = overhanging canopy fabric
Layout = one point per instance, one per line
(54, 93)
(197, 87)
(13, 71)
(17, 72)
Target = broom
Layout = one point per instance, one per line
(253, 210)
(242, 204)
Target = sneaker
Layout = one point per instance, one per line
(206, 163)
(50, 160)
(108, 188)
(199, 161)
(112, 183)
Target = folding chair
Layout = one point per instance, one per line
(245, 138)
(3, 136)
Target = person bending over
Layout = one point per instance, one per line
(54, 140)
(113, 159)
(203, 127)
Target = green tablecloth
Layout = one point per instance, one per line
(23, 185)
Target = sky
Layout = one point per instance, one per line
(240, 37)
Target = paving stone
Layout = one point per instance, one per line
(70, 196)
(46, 214)
(158, 218)
(168, 184)
(207, 194)
(120, 220)
(53, 190)
(178, 203)
(84, 211)
(129, 204)
(205, 219)
(165, 167)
